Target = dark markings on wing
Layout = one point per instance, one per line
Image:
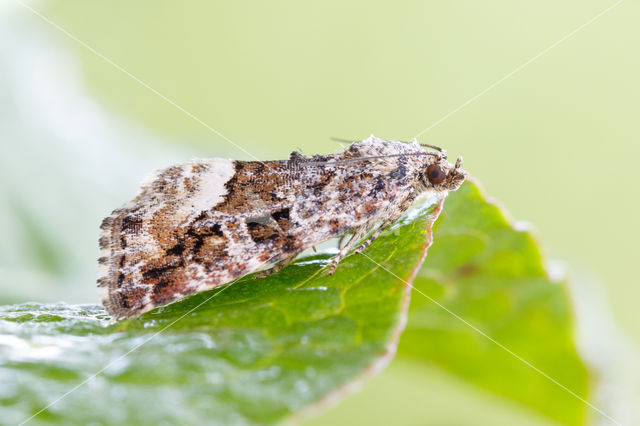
(263, 201)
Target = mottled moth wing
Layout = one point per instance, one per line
(205, 223)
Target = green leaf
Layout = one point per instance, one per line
(256, 351)
(493, 276)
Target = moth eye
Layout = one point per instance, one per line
(435, 174)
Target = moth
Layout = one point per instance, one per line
(202, 224)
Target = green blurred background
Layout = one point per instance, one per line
(556, 142)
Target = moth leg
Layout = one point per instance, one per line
(373, 236)
(275, 268)
(340, 240)
(345, 250)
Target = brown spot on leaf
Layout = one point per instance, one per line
(467, 270)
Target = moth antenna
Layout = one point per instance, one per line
(437, 148)
(458, 162)
(353, 160)
(342, 140)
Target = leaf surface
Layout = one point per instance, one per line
(492, 275)
(254, 352)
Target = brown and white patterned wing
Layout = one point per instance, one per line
(143, 244)
(202, 224)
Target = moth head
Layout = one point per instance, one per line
(441, 175)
